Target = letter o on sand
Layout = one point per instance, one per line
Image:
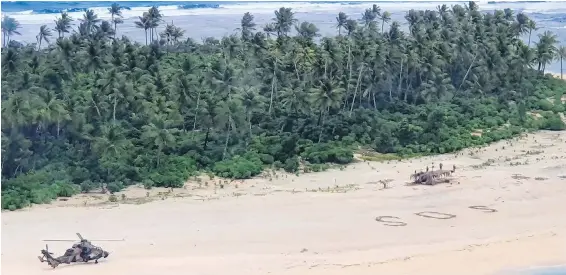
(484, 208)
(390, 223)
(435, 215)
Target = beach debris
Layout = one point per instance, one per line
(431, 177)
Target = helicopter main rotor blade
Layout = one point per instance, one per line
(121, 240)
(58, 240)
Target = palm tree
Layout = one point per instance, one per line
(116, 15)
(186, 84)
(561, 54)
(376, 10)
(65, 51)
(159, 133)
(105, 30)
(112, 144)
(546, 49)
(531, 26)
(253, 103)
(43, 35)
(327, 95)
(90, 21)
(63, 24)
(177, 34)
(228, 116)
(508, 14)
(294, 100)
(247, 26)
(307, 32)
(10, 27)
(112, 84)
(155, 17)
(20, 109)
(167, 34)
(52, 111)
(223, 78)
(144, 23)
(172, 33)
(368, 17)
(351, 26)
(521, 25)
(10, 60)
(342, 20)
(385, 18)
(94, 56)
(283, 21)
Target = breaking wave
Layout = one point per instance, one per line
(35, 12)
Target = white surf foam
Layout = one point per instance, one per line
(268, 7)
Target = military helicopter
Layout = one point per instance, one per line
(82, 251)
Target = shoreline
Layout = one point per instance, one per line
(557, 75)
(289, 232)
(557, 269)
(204, 187)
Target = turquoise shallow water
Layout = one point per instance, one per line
(546, 270)
(550, 271)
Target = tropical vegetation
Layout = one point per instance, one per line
(88, 108)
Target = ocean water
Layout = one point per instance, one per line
(218, 18)
(547, 270)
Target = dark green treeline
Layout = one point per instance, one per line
(82, 107)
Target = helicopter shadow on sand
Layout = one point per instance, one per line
(75, 265)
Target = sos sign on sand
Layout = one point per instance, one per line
(395, 221)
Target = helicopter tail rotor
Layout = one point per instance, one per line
(47, 250)
(47, 255)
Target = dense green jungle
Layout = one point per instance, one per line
(82, 108)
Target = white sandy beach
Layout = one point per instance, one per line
(558, 75)
(322, 223)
